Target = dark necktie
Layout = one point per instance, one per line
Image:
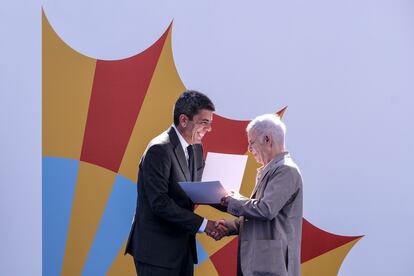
(191, 161)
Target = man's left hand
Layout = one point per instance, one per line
(225, 200)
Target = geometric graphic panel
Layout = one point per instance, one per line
(93, 187)
(59, 181)
(114, 227)
(329, 263)
(118, 91)
(201, 254)
(67, 78)
(98, 116)
(316, 242)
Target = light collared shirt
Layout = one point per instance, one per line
(183, 142)
(264, 169)
(184, 145)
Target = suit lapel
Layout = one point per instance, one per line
(258, 184)
(179, 153)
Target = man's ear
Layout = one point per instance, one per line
(183, 120)
(269, 141)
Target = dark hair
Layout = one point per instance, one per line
(190, 103)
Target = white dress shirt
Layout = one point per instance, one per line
(184, 145)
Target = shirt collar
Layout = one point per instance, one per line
(264, 169)
(183, 142)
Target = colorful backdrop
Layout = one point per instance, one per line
(110, 73)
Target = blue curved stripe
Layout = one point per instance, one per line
(114, 227)
(201, 254)
(58, 189)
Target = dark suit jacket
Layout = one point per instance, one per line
(164, 225)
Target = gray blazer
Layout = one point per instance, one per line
(270, 222)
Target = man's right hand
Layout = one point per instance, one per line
(216, 229)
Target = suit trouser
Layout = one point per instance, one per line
(185, 269)
(239, 270)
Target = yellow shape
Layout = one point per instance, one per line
(327, 264)
(156, 111)
(249, 177)
(211, 246)
(206, 268)
(122, 265)
(93, 187)
(67, 78)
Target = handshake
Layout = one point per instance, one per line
(216, 229)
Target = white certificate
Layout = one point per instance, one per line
(228, 168)
(207, 192)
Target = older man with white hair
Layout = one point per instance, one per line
(269, 223)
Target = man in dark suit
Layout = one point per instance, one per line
(162, 237)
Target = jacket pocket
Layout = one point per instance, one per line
(263, 257)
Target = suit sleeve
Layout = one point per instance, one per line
(282, 186)
(157, 166)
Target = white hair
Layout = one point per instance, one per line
(268, 125)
